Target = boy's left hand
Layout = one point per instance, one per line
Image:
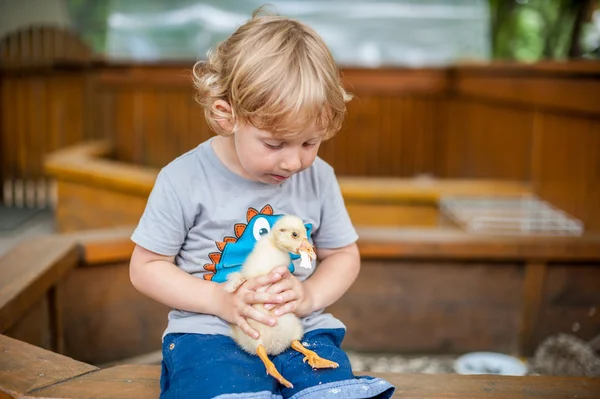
(296, 299)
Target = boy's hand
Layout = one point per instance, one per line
(239, 306)
(296, 299)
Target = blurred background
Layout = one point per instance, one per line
(470, 158)
(359, 33)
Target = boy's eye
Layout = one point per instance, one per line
(273, 146)
(310, 144)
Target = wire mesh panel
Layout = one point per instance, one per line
(522, 215)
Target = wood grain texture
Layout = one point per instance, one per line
(25, 368)
(42, 46)
(543, 92)
(533, 291)
(114, 244)
(432, 307)
(567, 165)
(493, 121)
(99, 301)
(32, 325)
(411, 277)
(83, 207)
(484, 140)
(133, 381)
(129, 381)
(571, 301)
(452, 243)
(28, 271)
(449, 386)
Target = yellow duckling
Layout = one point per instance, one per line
(273, 250)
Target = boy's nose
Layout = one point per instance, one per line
(291, 163)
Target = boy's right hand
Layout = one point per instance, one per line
(238, 306)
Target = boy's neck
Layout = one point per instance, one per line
(224, 148)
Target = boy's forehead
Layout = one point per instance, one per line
(310, 132)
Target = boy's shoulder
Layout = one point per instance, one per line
(321, 170)
(321, 167)
(186, 165)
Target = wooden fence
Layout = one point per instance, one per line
(533, 123)
(44, 75)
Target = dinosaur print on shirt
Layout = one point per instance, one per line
(234, 250)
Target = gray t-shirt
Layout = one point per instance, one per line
(209, 218)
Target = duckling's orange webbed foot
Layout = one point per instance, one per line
(315, 361)
(271, 369)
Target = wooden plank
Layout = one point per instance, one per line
(56, 319)
(389, 189)
(128, 381)
(420, 306)
(399, 243)
(29, 270)
(25, 368)
(394, 214)
(100, 246)
(476, 144)
(452, 386)
(533, 290)
(450, 243)
(83, 207)
(556, 68)
(114, 250)
(568, 165)
(33, 326)
(363, 80)
(134, 381)
(96, 302)
(571, 301)
(85, 163)
(549, 93)
(394, 80)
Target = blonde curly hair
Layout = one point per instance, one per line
(276, 74)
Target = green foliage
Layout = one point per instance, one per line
(531, 30)
(90, 20)
(521, 30)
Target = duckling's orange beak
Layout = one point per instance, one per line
(309, 249)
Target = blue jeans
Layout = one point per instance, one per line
(209, 366)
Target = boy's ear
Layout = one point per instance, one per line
(223, 107)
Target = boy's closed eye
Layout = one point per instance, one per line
(273, 146)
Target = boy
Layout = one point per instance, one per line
(272, 94)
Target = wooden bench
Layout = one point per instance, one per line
(514, 292)
(27, 372)
(29, 274)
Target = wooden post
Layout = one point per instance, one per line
(56, 320)
(533, 289)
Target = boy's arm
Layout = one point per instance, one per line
(157, 276)
(337, 271)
